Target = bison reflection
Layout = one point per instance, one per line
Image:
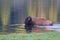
(31, 21)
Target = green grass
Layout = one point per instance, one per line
(39, 36)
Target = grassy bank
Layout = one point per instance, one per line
(38, 36)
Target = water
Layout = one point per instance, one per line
(55, 27)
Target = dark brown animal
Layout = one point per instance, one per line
(41, 21)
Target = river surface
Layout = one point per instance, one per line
(55, 27)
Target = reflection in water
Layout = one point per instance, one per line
(55, 27)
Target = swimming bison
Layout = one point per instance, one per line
(41, 21)
(31, 21)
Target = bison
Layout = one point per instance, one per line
(31, 21)
(41, 21)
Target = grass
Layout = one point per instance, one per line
(34, 36)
